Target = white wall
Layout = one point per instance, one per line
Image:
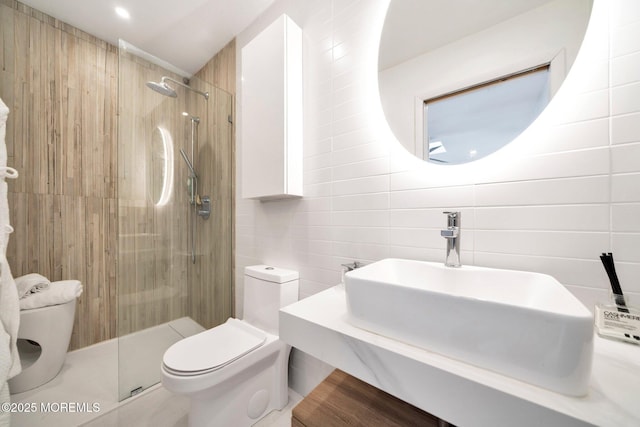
(566, 190)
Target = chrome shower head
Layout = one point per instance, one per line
(162, 88)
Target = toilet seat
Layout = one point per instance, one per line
(212, 349)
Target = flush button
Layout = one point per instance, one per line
(269, 268)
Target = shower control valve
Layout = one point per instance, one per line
(204, 209)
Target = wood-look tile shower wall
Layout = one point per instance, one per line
(221, 72)
(62, 87)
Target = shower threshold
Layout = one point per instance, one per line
(89, 377)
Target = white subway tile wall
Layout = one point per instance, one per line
(566, 190)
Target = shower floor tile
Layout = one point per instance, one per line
(88, 386)
(89, 375)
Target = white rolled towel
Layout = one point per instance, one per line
(59, 292)
(30, 284)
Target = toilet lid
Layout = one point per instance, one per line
(212, 349)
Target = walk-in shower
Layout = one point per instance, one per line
(174, 268)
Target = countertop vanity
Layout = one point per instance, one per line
(459, 392)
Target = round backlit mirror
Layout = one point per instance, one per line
(459, 79)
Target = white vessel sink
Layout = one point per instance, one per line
(523, 325)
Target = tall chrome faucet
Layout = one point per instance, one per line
(452, 234)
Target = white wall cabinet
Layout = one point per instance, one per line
(271, 105)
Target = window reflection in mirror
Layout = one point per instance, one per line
(430, 48)
(469, 124)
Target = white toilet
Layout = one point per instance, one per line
(43, 341)
(236, 373)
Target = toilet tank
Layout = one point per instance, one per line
(266, 290)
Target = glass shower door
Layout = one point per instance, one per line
(174, 266)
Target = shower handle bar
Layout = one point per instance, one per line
(192, 200)
(194, 188)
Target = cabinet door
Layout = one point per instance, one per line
(271, 103)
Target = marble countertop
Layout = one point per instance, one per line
(455, 391)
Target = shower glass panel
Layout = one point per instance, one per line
(174, 267)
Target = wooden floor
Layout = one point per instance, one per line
(342, 400)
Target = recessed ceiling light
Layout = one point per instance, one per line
(122, 12)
